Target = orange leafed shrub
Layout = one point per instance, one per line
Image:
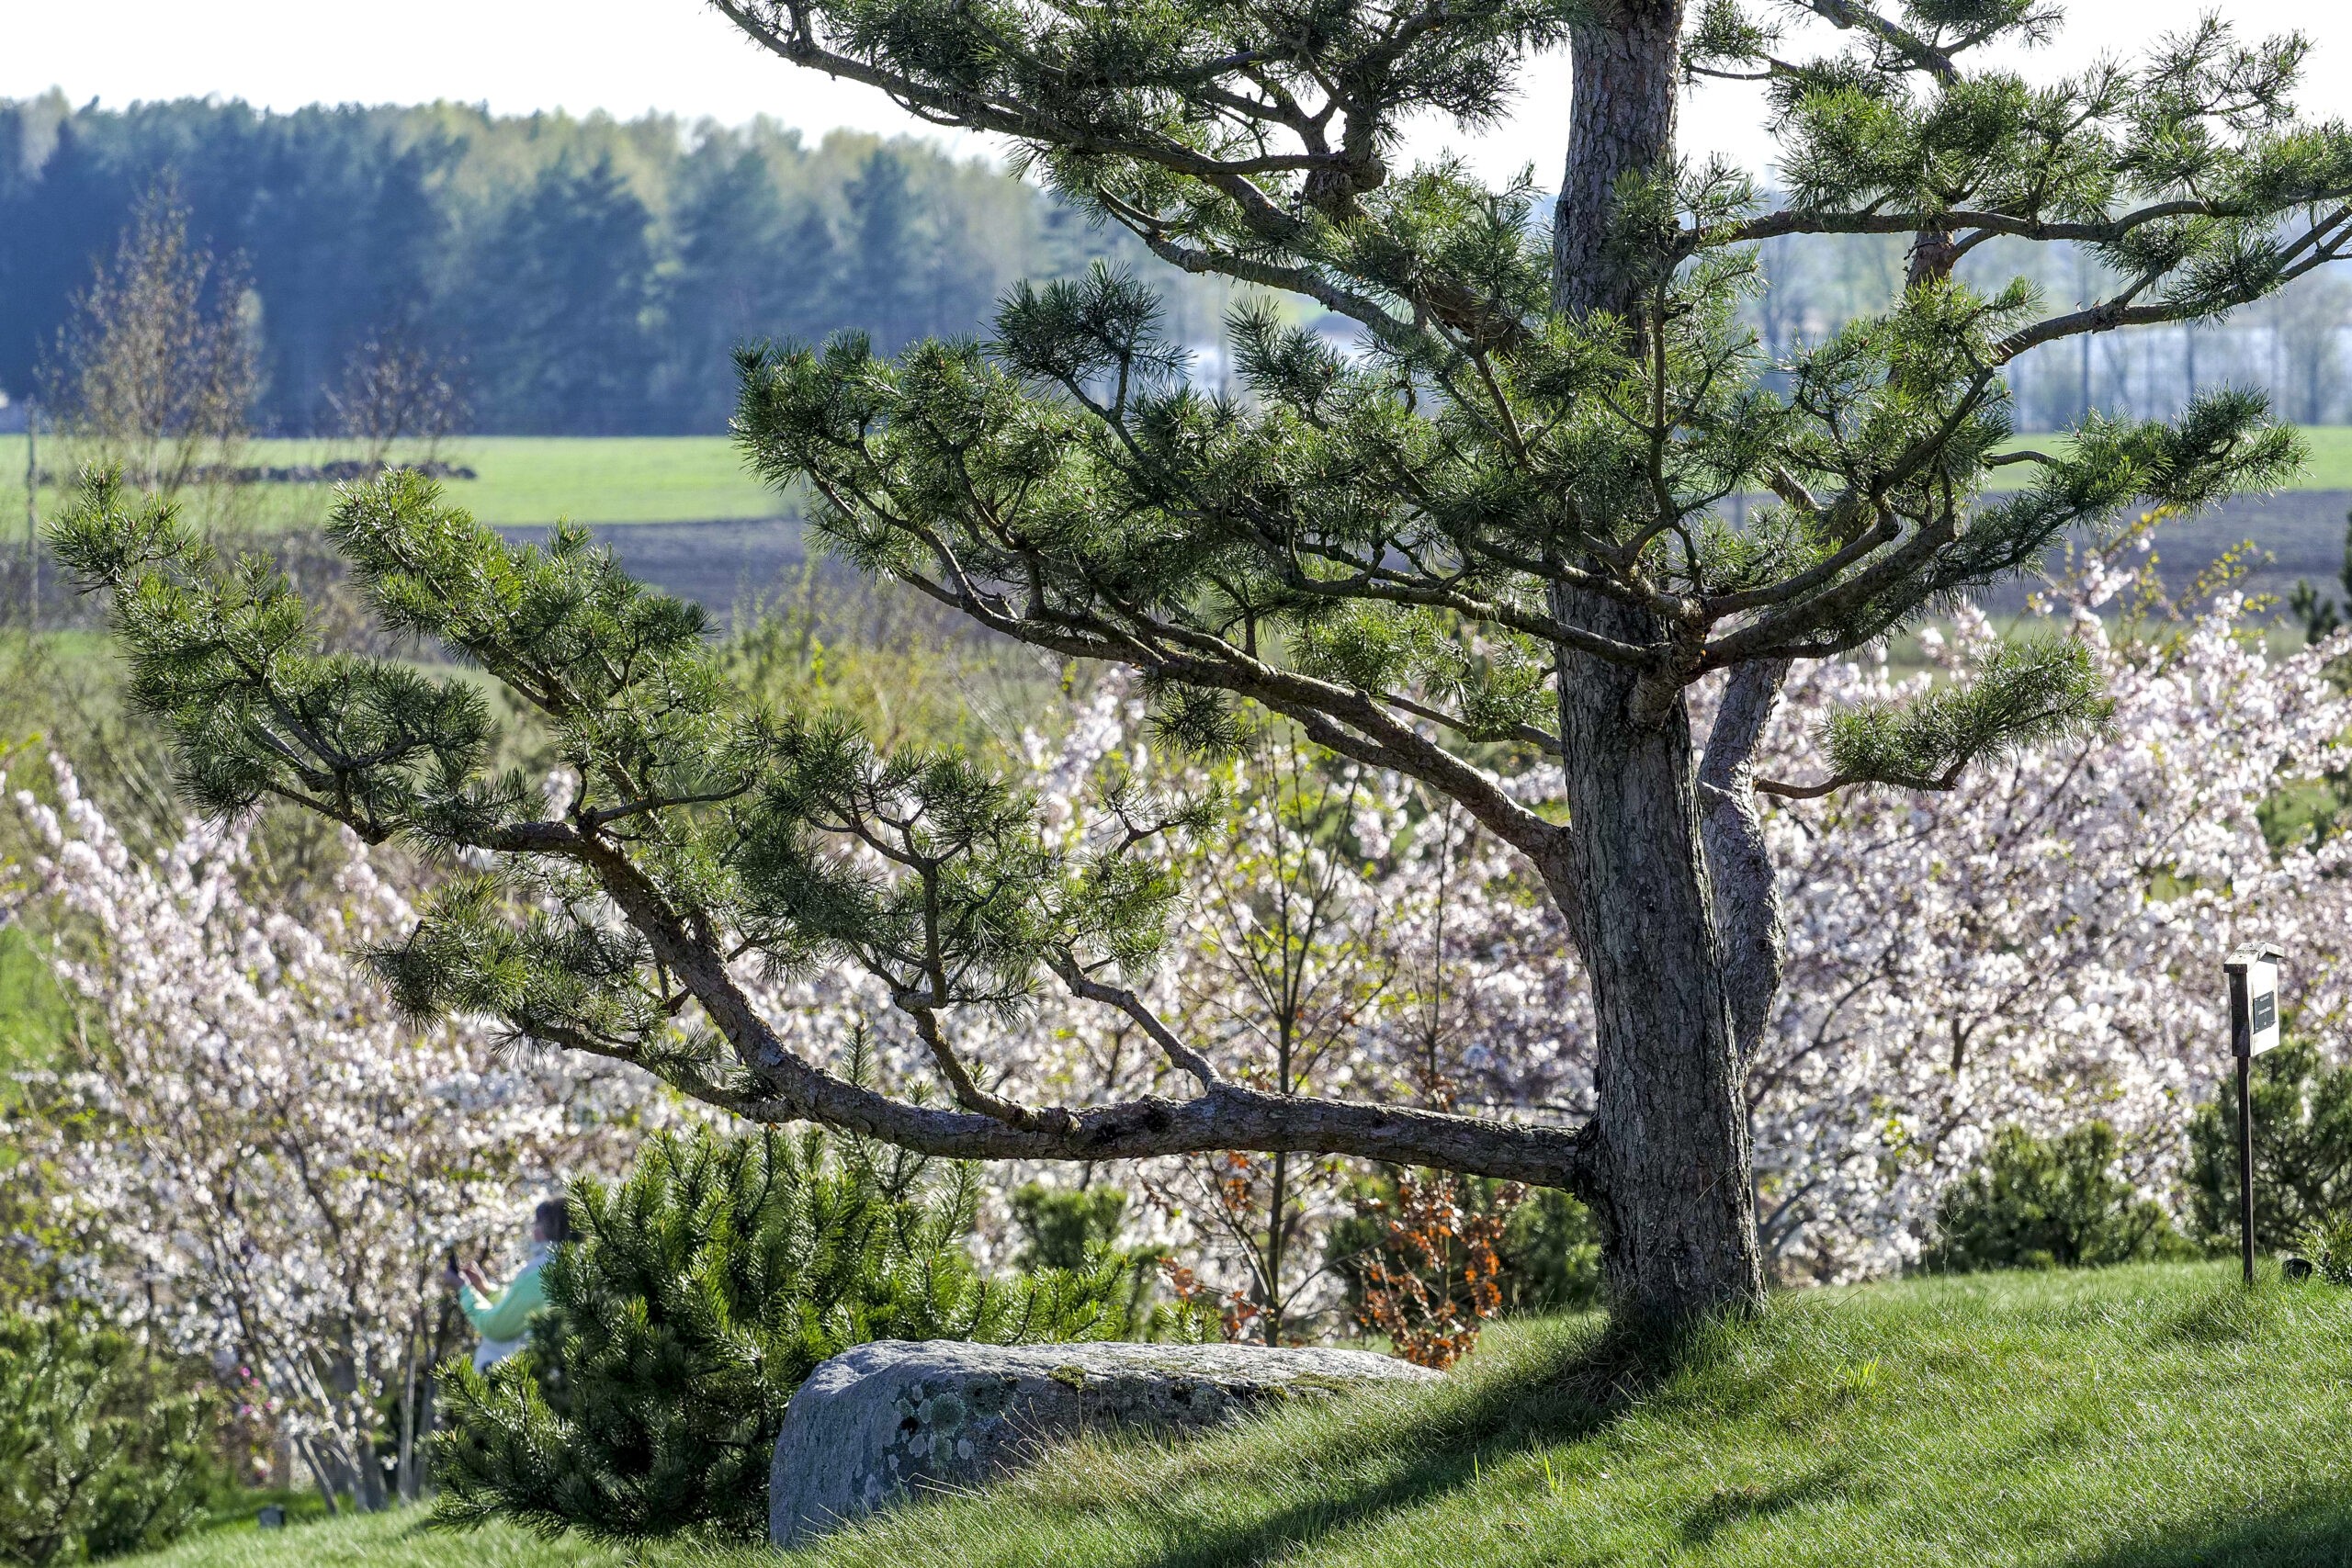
(1436, 1279)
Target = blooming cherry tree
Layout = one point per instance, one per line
(2038, 945)
(2041, 944)
(255, 1157)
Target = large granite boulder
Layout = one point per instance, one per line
(895, 1418)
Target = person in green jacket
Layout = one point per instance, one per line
(504, 1323)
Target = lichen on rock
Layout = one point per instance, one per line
(894, 1419)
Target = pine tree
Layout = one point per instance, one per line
(2049, 1203)
(561, 336)
(105, 1447)
(1495, 536)
(750, 264)
(2303, 1152)
(695, 1296)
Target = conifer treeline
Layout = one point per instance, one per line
(590, 274)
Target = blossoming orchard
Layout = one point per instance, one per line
(283, 1161)
(2037, 947)
(258, 1160)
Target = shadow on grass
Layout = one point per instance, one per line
(2231, 1316)
(1733, 1506)
(2316, 1532)
(1575, 1392)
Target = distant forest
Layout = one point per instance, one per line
(583, 276)
(589, 276)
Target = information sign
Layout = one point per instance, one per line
(2252, 971)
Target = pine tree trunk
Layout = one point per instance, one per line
(1669, 1160)
(1669, 1168)
(1622, 84)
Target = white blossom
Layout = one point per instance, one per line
(254, 1158)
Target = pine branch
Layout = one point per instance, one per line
(2022, 695)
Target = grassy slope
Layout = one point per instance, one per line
(522, 478)
(2141, 1416)
(2148, 1418)
(387, 1540)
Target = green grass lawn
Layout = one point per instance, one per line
(698, 478)
(399, 1540)
(522, 479)
(2145, 1417)
(2330, 467)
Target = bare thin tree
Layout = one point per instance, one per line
(154, 370)
(393, 390)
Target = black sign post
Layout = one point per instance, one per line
(2252, 971)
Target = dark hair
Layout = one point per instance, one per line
(555, 1220)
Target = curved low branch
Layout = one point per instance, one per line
(1226, 1116)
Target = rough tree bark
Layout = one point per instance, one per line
(1622, 62)
(1668, 1164)
(1666, 1158)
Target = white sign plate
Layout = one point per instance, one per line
(2262, 1006)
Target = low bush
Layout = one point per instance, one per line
(105, 1449)
(1551, 1252)
(2302, 1151)
(2048, 1203)
(697, 1294)
(1548, 1248)
(1064, 1227)
(2326, 1243)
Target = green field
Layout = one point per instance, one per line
(2155, 1416)
(522, 479)
(693, 478)
(621, 479)
(2330, 467)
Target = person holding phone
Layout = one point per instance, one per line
(503, 1317)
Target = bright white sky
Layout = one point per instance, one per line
(628, 56)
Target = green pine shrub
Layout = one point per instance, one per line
(1062, 1228)
(2327, 1244)
(2048, 1203)
(1551, 1255)
(105, 1447)
(694, 1297)
(2302, 1151)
